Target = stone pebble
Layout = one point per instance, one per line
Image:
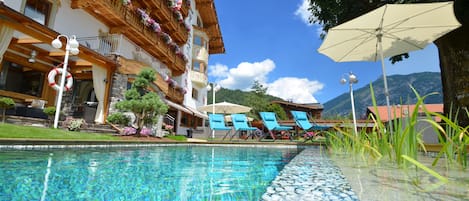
(311, 175)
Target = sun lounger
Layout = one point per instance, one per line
(240, 123)
(270, 122)
(301, 120)
(217, 123)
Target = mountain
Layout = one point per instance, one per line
(399, 90)
(234, 96)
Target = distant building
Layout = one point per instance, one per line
(429, 134)
(313, 110)
(400, 111)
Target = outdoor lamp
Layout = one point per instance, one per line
(71, 47)
(352, 79)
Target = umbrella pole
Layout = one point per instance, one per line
(386, 91)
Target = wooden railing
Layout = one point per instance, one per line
(175, 95)
(124, 20)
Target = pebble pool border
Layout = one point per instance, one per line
(311, 175)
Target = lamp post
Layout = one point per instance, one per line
(352, 79)
(214, 90)
(71, 47)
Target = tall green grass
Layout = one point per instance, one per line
(403, 145)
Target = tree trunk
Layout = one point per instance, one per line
(3, 115)
(453, 49)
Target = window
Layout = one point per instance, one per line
(198, 41)
(196, 65)
(199, 22)
(38, 10)
(195, 94)
(19, 79)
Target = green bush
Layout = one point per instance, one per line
(118, 118)
(6, 103)
(49, 111)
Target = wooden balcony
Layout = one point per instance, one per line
(133, 67)
(164, 86)
(175, 95)
(123, 20)
(185, 9)
(165, 17)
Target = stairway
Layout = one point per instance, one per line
(99, 128)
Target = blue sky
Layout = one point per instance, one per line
(274, 44)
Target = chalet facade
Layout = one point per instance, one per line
(313, 110)
(118, 38)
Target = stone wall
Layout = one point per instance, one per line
(119, 87)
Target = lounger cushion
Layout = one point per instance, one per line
(269, 118)
(239, 119)
(216, 120)
(301, 118)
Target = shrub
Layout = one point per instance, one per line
(129, 131)
(118, 118)
(145, 132)
(74, 124)
(6, 103)
(49, 111)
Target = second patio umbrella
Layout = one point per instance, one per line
(387, 31)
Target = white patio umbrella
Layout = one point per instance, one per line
(225, 108)
(387, 31)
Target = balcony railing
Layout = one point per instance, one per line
(104, 45)
(163, 85)
(123, 20)
(199, 78)
(175, 95)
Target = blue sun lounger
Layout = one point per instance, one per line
(240, 123)
(217, 123)
(270, 122)
(301, 120)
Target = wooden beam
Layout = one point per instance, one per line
(29, 27)
(80, 69)
(81, 62)
(57, 54)
(24, 62)
(28, 40)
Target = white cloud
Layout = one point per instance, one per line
(243, 76)
(299, 90)
(303, 13)
(218, 70)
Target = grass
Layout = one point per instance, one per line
(29, 132)
(177, 137)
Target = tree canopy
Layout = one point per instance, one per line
(146, 105)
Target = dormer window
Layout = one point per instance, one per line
(38, 10)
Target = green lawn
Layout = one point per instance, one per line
(29, 132)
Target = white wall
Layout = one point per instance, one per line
(66, 22)
(14, 4)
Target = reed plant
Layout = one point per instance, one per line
(405, 142)
(454, 140)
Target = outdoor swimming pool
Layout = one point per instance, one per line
(171, 172)
(144, 173)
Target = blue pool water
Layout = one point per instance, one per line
(144, 173)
